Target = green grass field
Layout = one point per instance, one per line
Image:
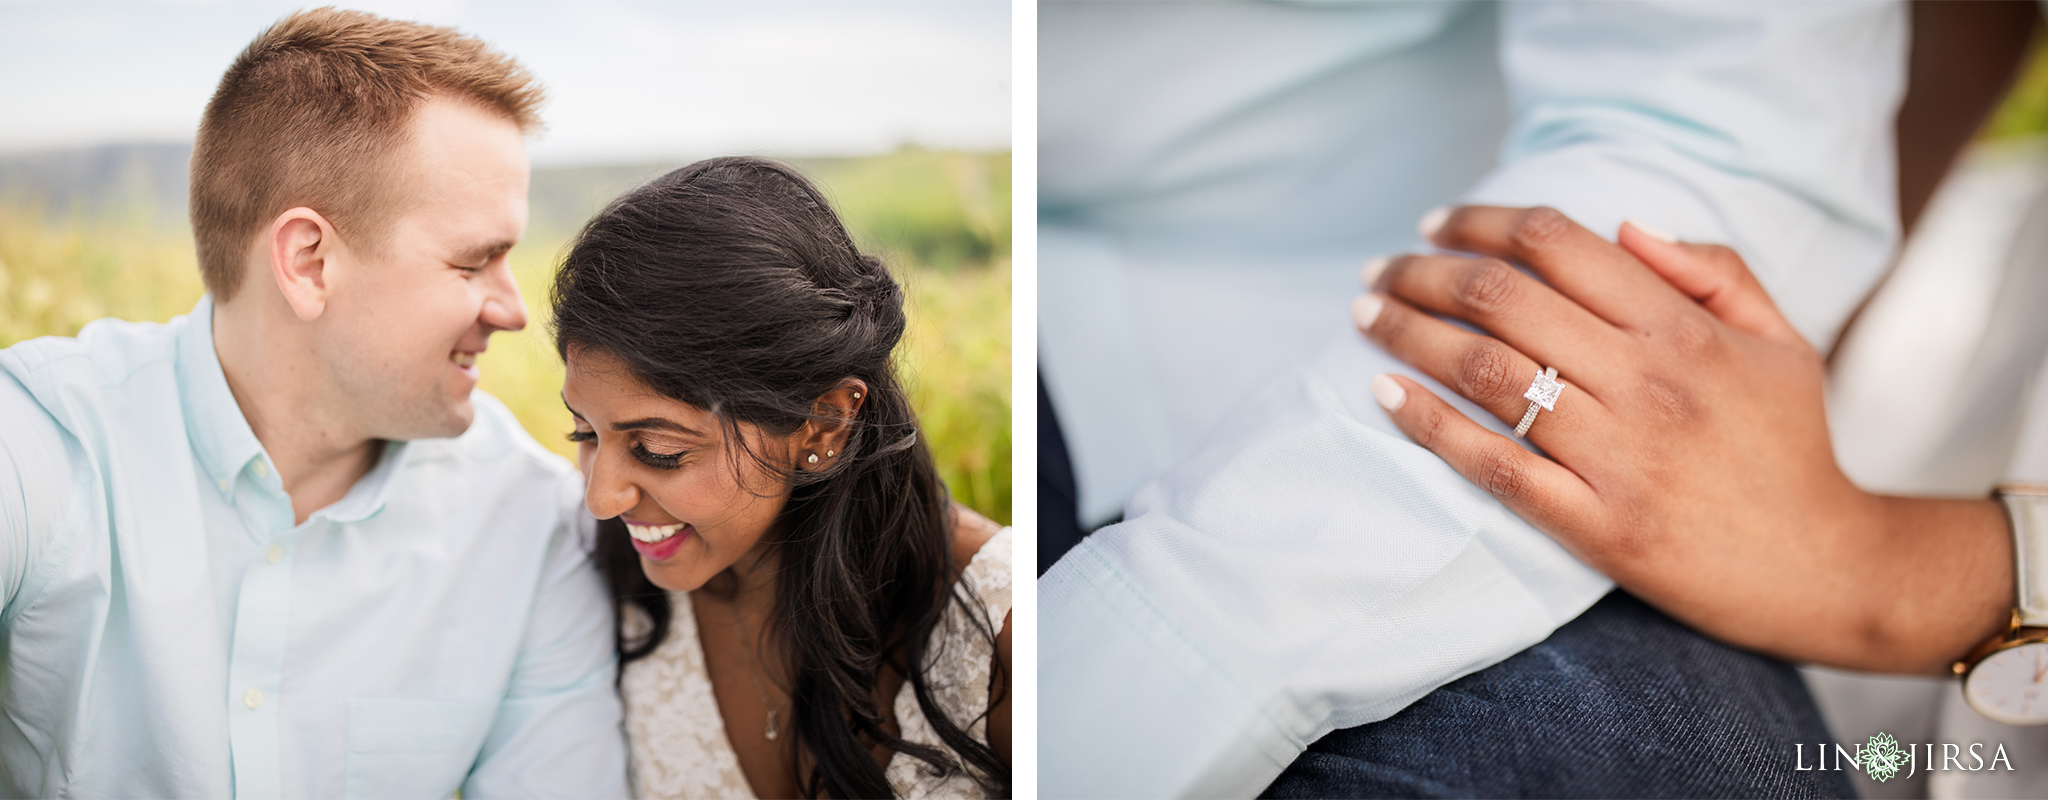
(941, 219)
(2024, 112)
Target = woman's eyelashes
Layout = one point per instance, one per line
(658, 460)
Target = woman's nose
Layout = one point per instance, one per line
(606, 493)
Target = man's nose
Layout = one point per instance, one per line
(504, 308)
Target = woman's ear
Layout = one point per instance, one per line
(832, 415)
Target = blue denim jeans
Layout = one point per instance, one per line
(1621, 702)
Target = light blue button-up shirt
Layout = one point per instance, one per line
(170, 631)
(1212, 175)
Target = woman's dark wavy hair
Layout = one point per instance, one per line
(731, 285)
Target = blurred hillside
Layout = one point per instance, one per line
(95, 233)
(934, 209)
(145, 183)
(940, 209)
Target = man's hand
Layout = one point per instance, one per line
(1691, 454)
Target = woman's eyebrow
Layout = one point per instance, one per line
(654, 423)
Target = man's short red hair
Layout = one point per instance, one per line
(309, 114)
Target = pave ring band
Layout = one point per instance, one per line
(1542, 396)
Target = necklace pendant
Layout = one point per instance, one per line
(771, 726)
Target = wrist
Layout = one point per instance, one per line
(1937, 581)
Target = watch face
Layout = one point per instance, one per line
(2011, 685)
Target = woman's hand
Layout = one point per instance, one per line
(1692, 460)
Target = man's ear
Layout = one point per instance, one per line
(302, 246)
(832, 420)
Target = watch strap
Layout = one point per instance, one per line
(2026, 508)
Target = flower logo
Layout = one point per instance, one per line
(1882, 757)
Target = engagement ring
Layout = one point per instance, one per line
(1542, 396)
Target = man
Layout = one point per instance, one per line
(1211, 175)
(281, 546)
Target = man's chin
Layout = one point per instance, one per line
(452, 420)
(457, 419)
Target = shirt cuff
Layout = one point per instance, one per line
(1166, 720)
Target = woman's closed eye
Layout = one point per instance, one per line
(657, 458)
(660, 457)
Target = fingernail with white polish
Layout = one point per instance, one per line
(1388, 393)
(1433, 221)
(1366, 309)
(1653, 231)
(1370, 274)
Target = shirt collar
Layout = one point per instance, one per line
(225, 444)
(213, 420)
(367, 498)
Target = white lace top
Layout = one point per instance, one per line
(678, 739)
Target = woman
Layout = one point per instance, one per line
(803, 610)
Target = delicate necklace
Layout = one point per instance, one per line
(748, 650)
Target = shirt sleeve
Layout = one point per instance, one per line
(1763, 126)
(1308, 568)
(559, 731)
(35, 488)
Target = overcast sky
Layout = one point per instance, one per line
(627, 81)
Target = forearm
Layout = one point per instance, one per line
(1296, 576)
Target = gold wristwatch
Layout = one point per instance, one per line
(2006, 678)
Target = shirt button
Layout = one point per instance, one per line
(224, 484)
(276, 553)
(262, 468)
(252, 698)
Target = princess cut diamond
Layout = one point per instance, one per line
(1544, 390)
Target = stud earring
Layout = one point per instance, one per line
(856, 395)
(814, 458)
(828, 453)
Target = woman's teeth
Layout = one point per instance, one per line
(465, 359)
(654, 533)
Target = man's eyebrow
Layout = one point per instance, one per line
(484, 252)
(654, 423)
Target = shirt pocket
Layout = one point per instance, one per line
(413, 748)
